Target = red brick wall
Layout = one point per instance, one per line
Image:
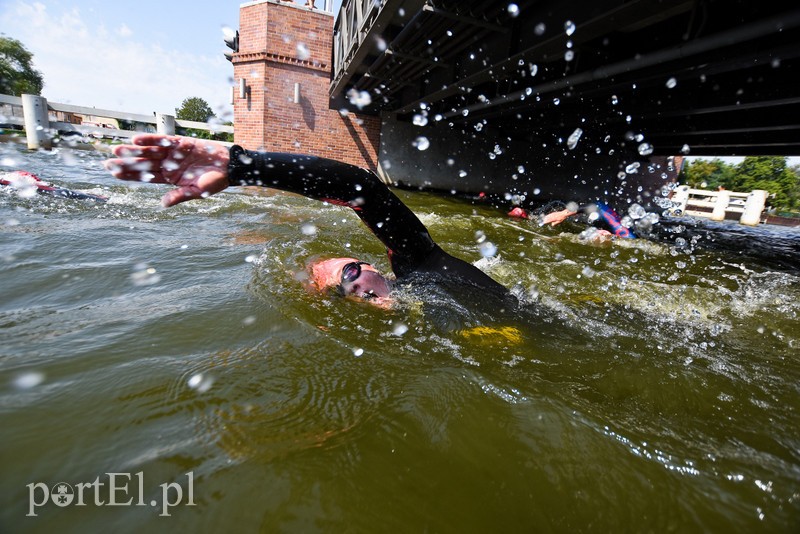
(271, 61)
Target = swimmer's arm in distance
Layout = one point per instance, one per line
(606, 217)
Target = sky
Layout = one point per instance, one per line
(139, 57)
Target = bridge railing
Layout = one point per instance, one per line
(715, 205)
(352, 25)
(39, 128)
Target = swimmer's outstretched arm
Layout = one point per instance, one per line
(201, 168)
(407, 240)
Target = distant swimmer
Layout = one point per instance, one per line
(200, 168)
(598, 214)
(23, 181)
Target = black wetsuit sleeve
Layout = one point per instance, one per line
(408, 243)
(407, 240)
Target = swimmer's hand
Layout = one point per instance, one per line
(557, 217)
(198, 168)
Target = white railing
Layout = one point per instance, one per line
(39, 129)
(715, 205)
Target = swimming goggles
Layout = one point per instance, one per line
(351, 271)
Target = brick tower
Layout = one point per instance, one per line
(282, 105)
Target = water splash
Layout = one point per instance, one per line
(575, 136)
(421, 143)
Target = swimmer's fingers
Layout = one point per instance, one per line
(157, 140)
(133, 151)
(135, 169)
(205, 185)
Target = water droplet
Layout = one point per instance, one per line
(614, 100)
(480, 237)
(421, 143)
(569, 55)
(303, 53)
(360, 99)
(569, 27)
(685, 149)
(487, 249)
(144, 275)
(358, 352)
(645, 149)
(521, 169)
(28, 380)
(420, 120)
(308, 229)
(636, 211)
(513, 10)
(574, 137)
(556, 101)
(399, 329)
(200, 382)
(539, 29)
(671, 83)
(633, 167)
(479, 126)
(462, 173)
(534, 68)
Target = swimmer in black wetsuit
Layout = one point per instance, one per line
(200, 168)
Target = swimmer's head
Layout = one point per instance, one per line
(359, 278)
(350, 277)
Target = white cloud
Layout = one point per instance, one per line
(91, 66)
(124, 31)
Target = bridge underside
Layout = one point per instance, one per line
(734, 65)
(705, 77)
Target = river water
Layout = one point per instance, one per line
(640, 387)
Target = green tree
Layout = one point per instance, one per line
(194, 109)
(772, 174)
(708, 174)
(17, 75)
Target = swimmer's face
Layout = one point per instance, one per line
(360, 279)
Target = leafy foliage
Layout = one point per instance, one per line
(17, 75)
(770, 173)
(194, 109)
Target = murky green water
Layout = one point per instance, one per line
(643, 389)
